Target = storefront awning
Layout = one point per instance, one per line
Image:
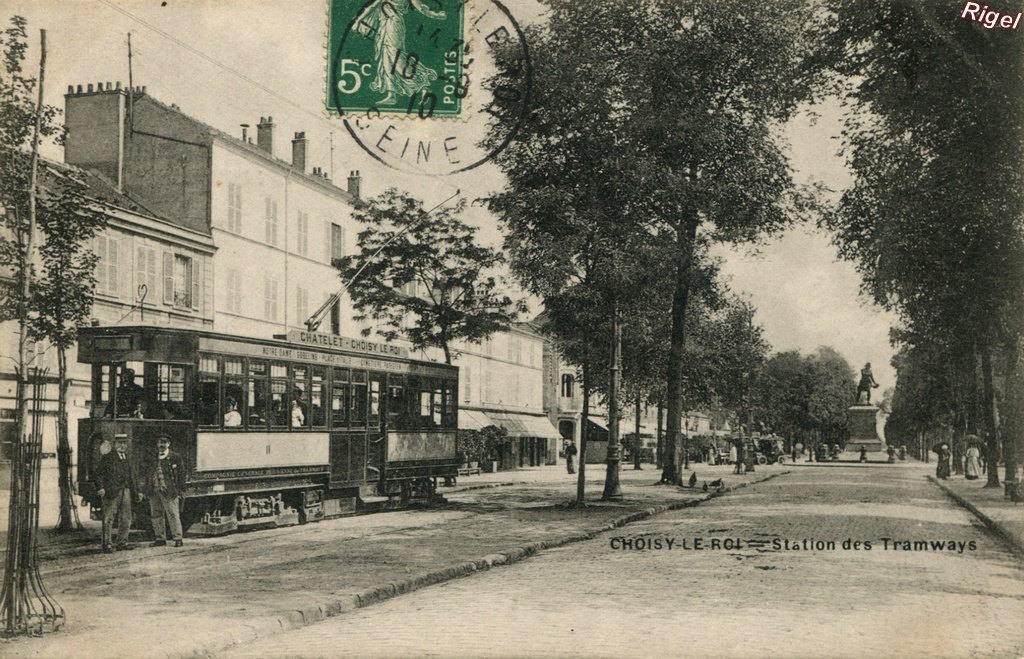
(474, 420)
(600, 425)
(524, 425)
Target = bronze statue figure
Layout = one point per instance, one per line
(867, 383)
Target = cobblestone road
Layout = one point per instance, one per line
(598, 598)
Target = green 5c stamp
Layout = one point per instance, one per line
(396, 57)
(429, 87)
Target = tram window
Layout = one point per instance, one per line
(449, 406)
(258, 398)
(170, 392)
(234, 393)
(396, 403)
(339, 398)
(209, 391)
(426, 405)
(280, 409)
(300, 416)
(374, 401)
(437, 407)
(357, 407)
(131, 397)
(100, 388)
(316, 398)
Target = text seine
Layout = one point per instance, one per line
(989, 18)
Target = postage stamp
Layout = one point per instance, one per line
(430, 87)
(397, 56)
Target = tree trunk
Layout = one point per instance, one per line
(612, 488)
(686, 234)
(1013, 417)
(581, 457)
(637, 444)
(660, 450)
(686, 441)
(989, 417)
(68, 519)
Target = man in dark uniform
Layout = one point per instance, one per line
(117, 486)
(129, 397)
(570, 457)
(164, 484)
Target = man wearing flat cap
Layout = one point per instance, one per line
(163, 480)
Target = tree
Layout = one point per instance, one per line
(427, 266)
(27, 607)
(673, 149)
(948, 257)
(62, 300)
(573, 207)
(709, 83)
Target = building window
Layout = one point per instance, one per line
(337, 241)
(271, 224)
(183, 279)
(301, 304)
(107, 268)
(145, 270)
(234, 291)
(234, 207)
(270, 299)
(568, 382)
(303, 234)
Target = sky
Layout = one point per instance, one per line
(229, 62)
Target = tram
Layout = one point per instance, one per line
(274, 432)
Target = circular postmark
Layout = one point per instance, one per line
(430, 87)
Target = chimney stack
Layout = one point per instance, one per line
(245, 132)
(265, 134)
(354, 183)
(299, 151)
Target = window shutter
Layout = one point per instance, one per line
(168, 278)
(114, 271)
(101, 264)
(327, 241)
(197, 289)
(140, 267)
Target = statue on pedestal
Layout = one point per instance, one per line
(867, 383)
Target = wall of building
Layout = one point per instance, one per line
(271, 275)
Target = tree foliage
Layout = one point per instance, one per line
(935, 218)
(423, 277)
(674, 149)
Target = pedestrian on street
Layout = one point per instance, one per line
(972, 462)
(942, 467)
(570, 457)
(117, 486)
(165, 484)
(863, 454)
(891, 450)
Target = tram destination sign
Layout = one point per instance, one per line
(346, 343)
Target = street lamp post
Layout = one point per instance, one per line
(612, 488)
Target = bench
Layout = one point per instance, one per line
(469, 471)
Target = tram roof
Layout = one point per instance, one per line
(180, 345)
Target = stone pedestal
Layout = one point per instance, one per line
(862, 424)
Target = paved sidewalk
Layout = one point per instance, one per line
(1004, 517)
(218, 592)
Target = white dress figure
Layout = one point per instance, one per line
(395, 72)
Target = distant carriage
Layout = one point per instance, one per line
(276, 431)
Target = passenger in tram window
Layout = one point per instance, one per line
(298, 416)
(232, 419)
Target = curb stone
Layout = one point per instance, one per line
(377, 594)
(1014, 543)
